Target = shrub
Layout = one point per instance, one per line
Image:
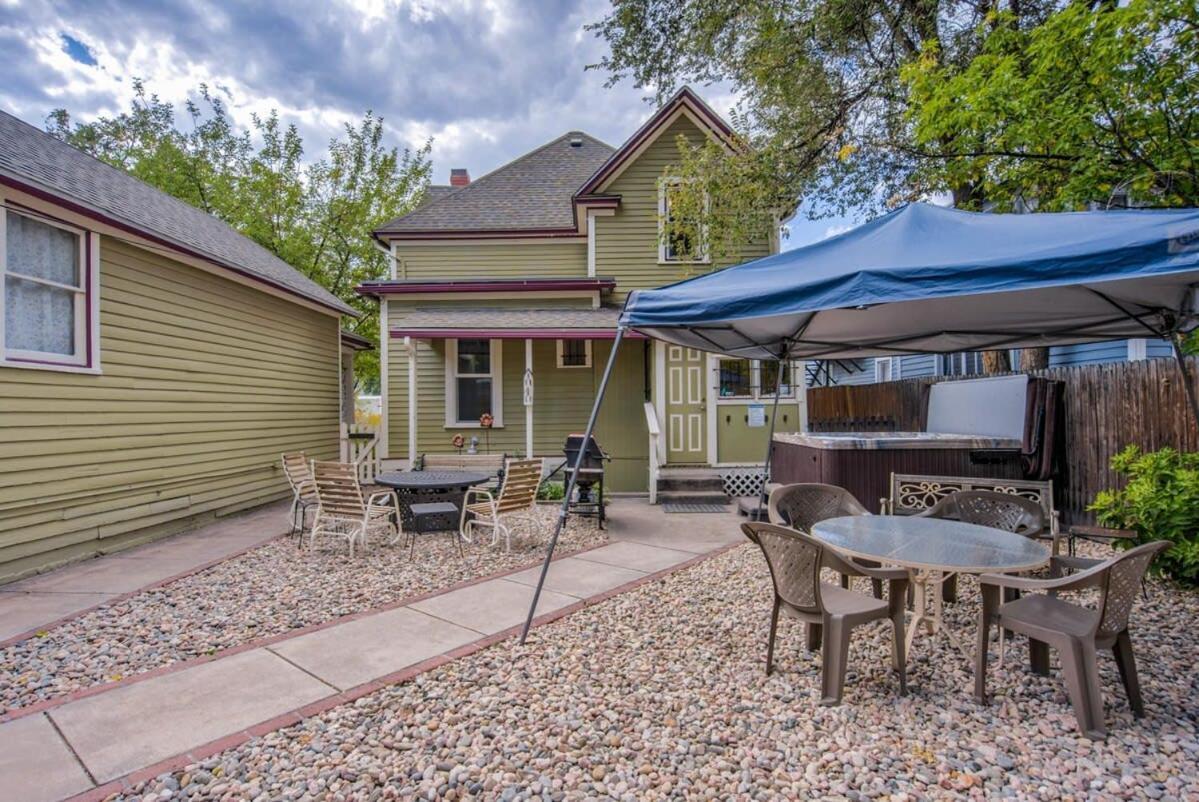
(551, 491)
(1160, 502)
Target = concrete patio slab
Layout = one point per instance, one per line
(35, 763)
(578, 578)
(368, 648)
(110, 575)
(492, 606)
(637, 556)
(22, 611)
(133, 726)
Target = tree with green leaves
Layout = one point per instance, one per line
(863, 104)
(316, 215)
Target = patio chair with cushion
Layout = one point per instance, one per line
(341, 511)
(803, 504)
(994, 509)
(303, 490)
(1076, 632)
(830, 612)
(517, 500)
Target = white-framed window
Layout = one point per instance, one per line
(574, 353)
(963, 363)
(473, 382)
(48, 318)
(884, 369)
(671, 248)
(745, 379)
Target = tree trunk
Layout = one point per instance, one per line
(996, 362)
(1034, 359)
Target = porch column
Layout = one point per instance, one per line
(528, 397)
(411, 344)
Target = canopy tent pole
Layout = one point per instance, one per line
(570, 484)
(1187, 381)
(774, 414)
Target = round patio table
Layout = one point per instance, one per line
(932, 550)
(425, 487)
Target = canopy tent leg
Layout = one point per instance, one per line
(774, 414)
(1187, 380)
(570, 485)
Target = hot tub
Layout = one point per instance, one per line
(862, 462)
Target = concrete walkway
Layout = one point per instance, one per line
(143, 728)
(42, 600)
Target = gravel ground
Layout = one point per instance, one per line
(659, 694)
(272, 589)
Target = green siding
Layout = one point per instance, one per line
(491, 260)
(627, 243)
(205, 382)
(736, 441)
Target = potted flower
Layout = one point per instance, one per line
(486, 421)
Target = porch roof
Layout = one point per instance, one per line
(512, 324)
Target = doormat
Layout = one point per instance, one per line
(695, 508)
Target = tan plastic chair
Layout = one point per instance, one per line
(342, 512)
(1076, 632)
(517, 500)
(1005, 511)
(803, 504)
(830, 612)
(303, 489)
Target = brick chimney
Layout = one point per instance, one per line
(459, 177)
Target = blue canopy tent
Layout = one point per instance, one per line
(926, 279)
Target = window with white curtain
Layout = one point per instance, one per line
(45, 287)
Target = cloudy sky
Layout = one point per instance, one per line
(487, 79)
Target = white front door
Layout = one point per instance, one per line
(686, 397)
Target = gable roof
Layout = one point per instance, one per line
(36, 162)
(537, 194)
(534, 193)
(649, 130)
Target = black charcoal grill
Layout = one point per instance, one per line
(591, 473)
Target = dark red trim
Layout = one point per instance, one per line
(684, 97)
(356, 341)
(94, 214)
(515, 334)
(599, 201)
(377, 288)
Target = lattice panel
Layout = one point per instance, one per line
(742, 482)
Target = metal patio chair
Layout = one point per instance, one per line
(803, 504)
(303, 489)
(1076, 632)
(517, 500)
(343, 513)
(830, 612)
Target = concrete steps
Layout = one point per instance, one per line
(690, 486)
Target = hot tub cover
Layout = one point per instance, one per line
(924, 278)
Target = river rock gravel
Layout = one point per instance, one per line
(266, 591)
(659, 693)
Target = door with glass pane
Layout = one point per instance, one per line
(686, 428)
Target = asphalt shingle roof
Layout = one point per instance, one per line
(532, 192)
(32, 156)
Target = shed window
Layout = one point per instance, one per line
(574, 353)
(736, 380)
(473, 382)
(770, 375)
(45, 288)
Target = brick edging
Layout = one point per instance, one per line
(298, 714)
(120, 597)
(53, 702)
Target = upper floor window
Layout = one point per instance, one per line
(674, 245)
(46, 284)
(963, 363)
(473, 382)
(574, 353)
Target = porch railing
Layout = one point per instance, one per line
(359, 445)
(657, 449)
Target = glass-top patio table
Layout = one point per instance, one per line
(932, 550)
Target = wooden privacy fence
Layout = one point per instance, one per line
(1107, 407)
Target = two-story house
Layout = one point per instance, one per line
(504, 296)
